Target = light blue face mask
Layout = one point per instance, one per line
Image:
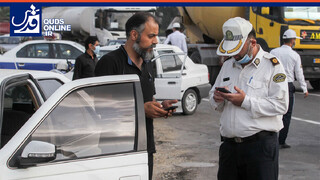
(246, 58)
(97, 50)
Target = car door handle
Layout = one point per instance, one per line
(20, 64)
(171, 82)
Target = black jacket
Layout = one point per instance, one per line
(116, 63)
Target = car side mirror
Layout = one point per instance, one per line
(37, 152)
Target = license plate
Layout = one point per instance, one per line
(316, 60)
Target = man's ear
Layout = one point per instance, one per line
(134, 35)
(253, 42)
(90, 46)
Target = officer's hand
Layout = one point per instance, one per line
(218, 96)
(235, 98)
(154, 109)
(306, 94)
(167, 104)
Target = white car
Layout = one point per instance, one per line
(177, 77)
(90, 128)
(8, 42)
(40, 54)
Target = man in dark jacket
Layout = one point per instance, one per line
(86, 62)
(132, 58)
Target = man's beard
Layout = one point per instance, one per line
(143, 52)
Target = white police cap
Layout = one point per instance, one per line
(235, 31)
(176, 25)
(290, 34)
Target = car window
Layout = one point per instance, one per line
(4, 40)
(67, 51)
(49, 86)
(14, 40)
(92, 121)
(34, 51)
(18, 107)
(9, 40)
(170, 63)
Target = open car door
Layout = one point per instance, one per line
(91, 128)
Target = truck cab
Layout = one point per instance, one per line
(271, 22)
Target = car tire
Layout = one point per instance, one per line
(315, 84)
(189, 102)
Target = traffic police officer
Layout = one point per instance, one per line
(291, 62)
(177, 38)
(252, 112)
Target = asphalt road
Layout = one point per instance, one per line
(187, 146)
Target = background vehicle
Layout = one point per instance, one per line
(107, 23)
(87, 129)
(177, 77)
(40, 54)
(7, 42)
(116, 42)
(269, 22)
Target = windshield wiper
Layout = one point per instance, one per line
(306, 20)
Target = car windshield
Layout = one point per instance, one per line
(116, 20)
(306, 12)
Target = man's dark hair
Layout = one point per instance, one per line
(90, 40)
(285, 41)
(137, 22)
(252, 34)
(177, 29)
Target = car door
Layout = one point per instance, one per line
(65, 52)
(35, 57)
(169, 70)
(45, 56)
(20, 99)
(91, 128)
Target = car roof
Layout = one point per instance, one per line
(6, 73)
(158, 46)
(15, 49)
(48, 41)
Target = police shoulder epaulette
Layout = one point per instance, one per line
(272, 58)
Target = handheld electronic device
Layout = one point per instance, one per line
(224, 90)
(171, 108)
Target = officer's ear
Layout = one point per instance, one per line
(134, 35)
(253, 42)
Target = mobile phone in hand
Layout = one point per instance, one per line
(224, 90)
(171, 108)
